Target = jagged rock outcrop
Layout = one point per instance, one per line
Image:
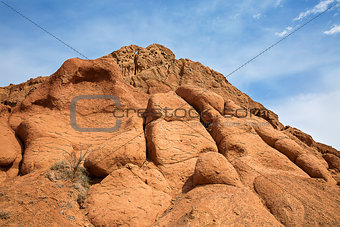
(154, 69)
(14, 94)
(167, 141)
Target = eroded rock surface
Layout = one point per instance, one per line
(42, 120)
(34, 199)
(218, 205)
(125, 198)
(170, 143)
(10, 148)
(214, 168)
(296, 201)
(176, 141)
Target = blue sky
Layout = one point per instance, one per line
(299, 79)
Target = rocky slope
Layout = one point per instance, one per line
(181, 146)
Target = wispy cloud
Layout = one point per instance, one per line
(284, 32)
(335, 29)
(313, 113)
(322, 6)
(278, 3)
(257, 16)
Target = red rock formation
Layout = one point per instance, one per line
(175, 150)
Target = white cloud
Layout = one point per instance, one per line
(284, 32)
(322, 6)
(257, 16)
(335, 29)
(314, 114)
(278, 3)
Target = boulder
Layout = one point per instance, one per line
(289, 148)
(250, 155)
(10, 149)
(174, 147)
(200, 97)
(283, 205)
(269, 134)
(179, 175)
(43, 145)
(214, 168)
(127, 146)
(177, 141)
(311, 165)
(170, 107)
(126, 198)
